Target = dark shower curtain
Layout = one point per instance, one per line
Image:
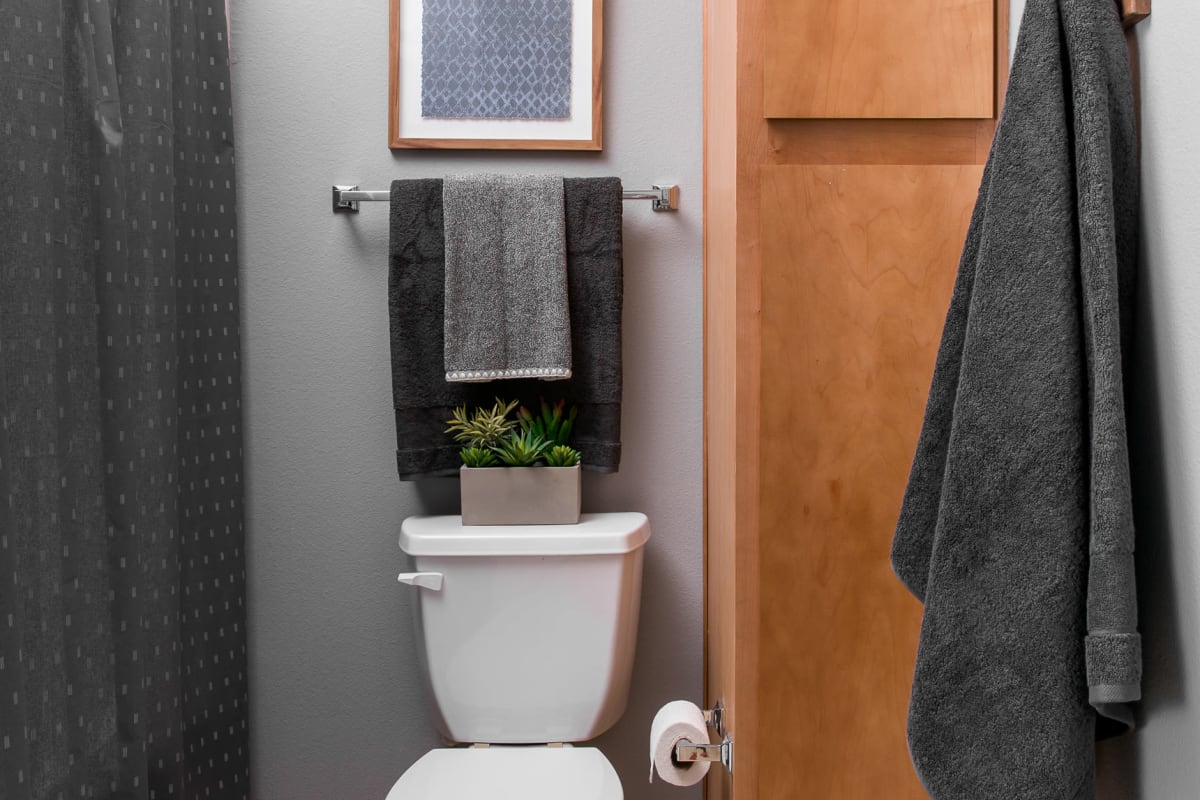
(122, 580)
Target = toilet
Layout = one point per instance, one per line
(526, 635)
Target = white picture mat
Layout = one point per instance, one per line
(413, 126)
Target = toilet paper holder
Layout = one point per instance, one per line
(688, 752)
(715, 717)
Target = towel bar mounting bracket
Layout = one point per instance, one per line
(668, 199)
(342, 203)
(662, 198)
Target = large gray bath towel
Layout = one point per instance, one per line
(506, 278)
(1016, 529)
(422, 397)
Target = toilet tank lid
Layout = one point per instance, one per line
(596, 534)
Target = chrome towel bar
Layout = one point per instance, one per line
(663, 198)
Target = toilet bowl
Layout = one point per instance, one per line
(526, 635)
(510, 772)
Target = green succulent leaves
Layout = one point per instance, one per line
(478, 457)
(491, 438)
(522, 449)
(560, 455)
(551, 424)
(484, 428)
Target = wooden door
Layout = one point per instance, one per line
(856, 262)
(831, 246)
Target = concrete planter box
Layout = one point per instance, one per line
(520, 495)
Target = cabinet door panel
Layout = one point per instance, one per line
(857, 267)
(879, 58)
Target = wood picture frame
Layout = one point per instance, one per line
(409, 127)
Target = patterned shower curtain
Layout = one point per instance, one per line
(122, 580)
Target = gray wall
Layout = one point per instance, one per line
(1159, 760)
(338, 709)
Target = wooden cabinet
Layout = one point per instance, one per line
(879, 58)
(832, 239)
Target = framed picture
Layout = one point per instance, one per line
(495, 74)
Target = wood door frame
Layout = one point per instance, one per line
(731, 377)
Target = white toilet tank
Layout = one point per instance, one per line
(531, 636)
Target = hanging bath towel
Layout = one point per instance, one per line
(422, 397)
(1016, 529)
(506, 278)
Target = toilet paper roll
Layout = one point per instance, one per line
(674, 722)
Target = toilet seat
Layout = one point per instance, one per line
(510, 772)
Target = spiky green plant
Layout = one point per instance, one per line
(522, 449)
(560, 455)
(551, 423)
(478, 457)
(485, 427)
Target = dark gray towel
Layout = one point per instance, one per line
(1016, 529)
(422, 397)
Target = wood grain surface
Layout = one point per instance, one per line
(879, 59)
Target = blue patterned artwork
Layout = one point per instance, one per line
(496, 59)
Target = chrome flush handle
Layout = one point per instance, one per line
(426, 580)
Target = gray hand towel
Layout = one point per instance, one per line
(506, 278)
(1016, 528)
(424, 399)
